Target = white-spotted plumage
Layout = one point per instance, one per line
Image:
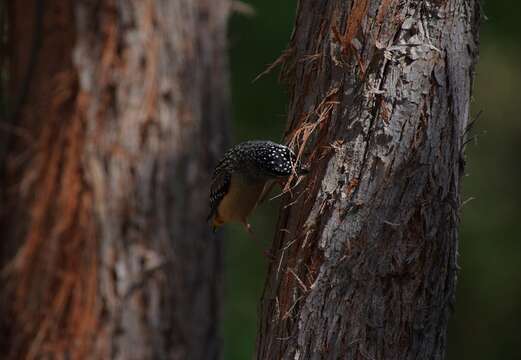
(250, 164)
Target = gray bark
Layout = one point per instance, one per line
(128, 109)
(366, 252)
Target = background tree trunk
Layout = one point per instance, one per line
(366, 257)
(106, 173)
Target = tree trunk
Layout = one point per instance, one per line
(366, 250)
(107, 171)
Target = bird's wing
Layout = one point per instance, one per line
(220, 185)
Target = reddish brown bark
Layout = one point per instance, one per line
(106, 254)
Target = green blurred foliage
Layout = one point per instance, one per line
(488, 308)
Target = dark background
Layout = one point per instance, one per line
(487, 316)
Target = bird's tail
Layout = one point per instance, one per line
(213, 222)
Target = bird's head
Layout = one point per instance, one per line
(276, 160)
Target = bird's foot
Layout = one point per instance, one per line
(266, 252)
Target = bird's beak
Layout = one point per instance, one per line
(303, 170)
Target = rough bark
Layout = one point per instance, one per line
(366, 252)
(108, 254)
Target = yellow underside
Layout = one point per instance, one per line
(239, 202)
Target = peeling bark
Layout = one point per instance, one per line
(126, 113)
(366, 252)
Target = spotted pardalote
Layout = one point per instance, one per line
(243, 174)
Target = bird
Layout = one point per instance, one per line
(244, 175)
